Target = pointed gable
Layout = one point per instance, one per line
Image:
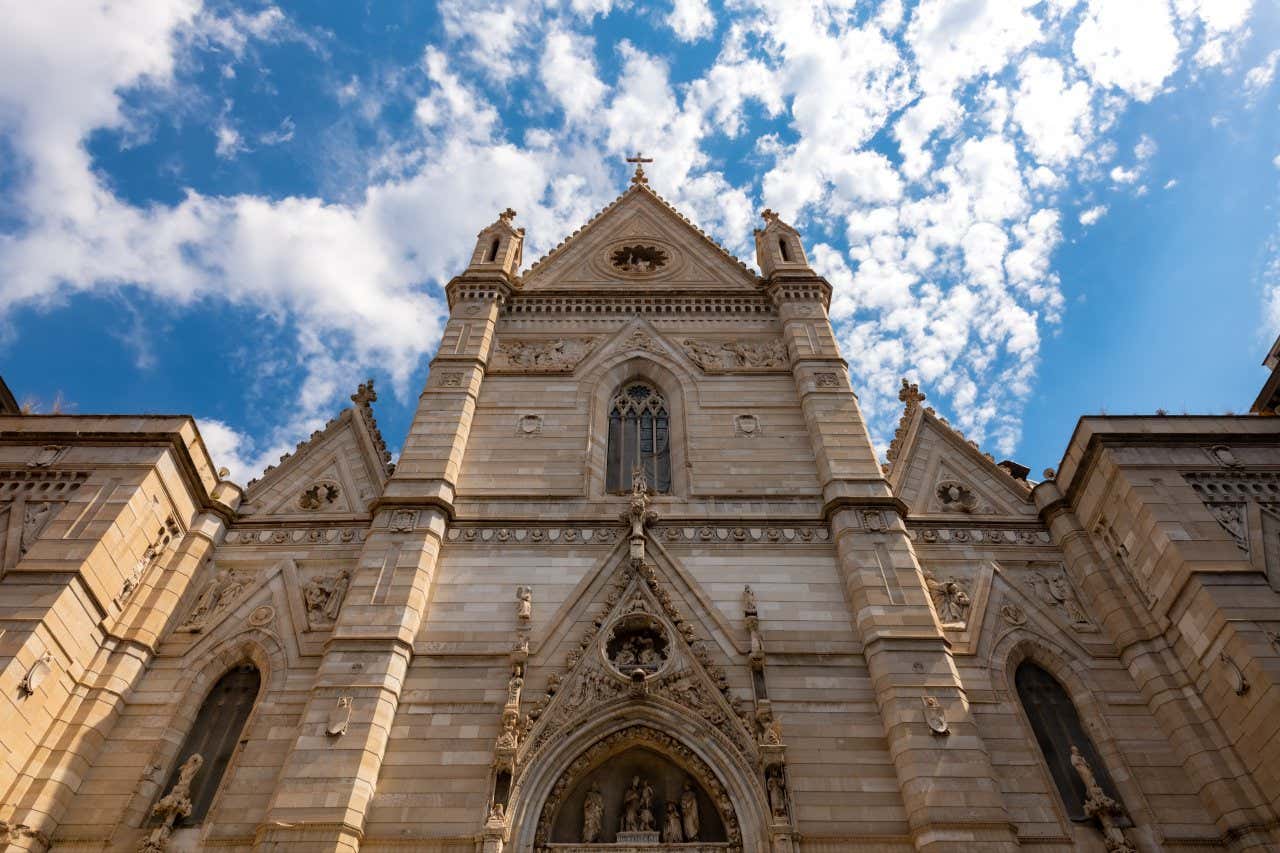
(639, 240)
(333, 474)
(936, 471)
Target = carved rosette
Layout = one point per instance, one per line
(619, 741)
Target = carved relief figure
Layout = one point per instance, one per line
(950, 598)
(592, 814)
(543, 355)
(323, 596)
(1053, 589)
(689, 811)
(524, 603)
(736, 354)
(748, 601)
(508, 738)
(514, 687)
(33, 522)
(672, 828)
(216, 597)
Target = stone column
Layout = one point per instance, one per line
(1226, 788)
(323, 793)
(948, 785)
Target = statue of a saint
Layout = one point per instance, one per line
(524, 604)
(777, 795)
(748, 601)
(689, 811)
(631, 807)
(592, 814)
(672, 829)
(647, 820)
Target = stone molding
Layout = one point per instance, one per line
(977, 535)
(704, 534)
(298, 536)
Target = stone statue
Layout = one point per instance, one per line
(689, 811)
(672, 829)
(497, 814)
(172, 807)
(592, 814)
(524, 603)
(514, 686)
(777, 795)
(1085, 772)
(647, 820)
(748, 601)
(1099, 806)
(33, 522)
(631, 807)
(508, 738)
(950, 598)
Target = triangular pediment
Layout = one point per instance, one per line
(936, 472)
(332, 475)
(685, 257)
(639, 647)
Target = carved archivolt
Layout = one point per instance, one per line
(618, 742)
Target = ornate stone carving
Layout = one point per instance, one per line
(638, 259)
(1235, 675)
(541, 356)
(262, 615)
(47, 455)
(1100, 807)
(935, 716)
(36, 674)
(323, 596)
(638, 514)
(985, 534)
(215, 599)
(1231, 517)
(637, 809)
(747, 426)
(660, 742)
(524, 603)
(954, 496)
(826, 380)
(1054, 590)
(34, 519)
(172, 807)
(1224, 456)
(736, 355)
(1013, 614)
(319, 495)
(637, 642)
(450, 379)
(168, 534)
(403, 520)
(529, 425)
(339, 717)
(690, 822)
(777, 793)
(950, 598)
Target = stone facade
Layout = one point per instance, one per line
(767, 641)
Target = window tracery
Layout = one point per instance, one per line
(639, 437)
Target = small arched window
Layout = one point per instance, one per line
(215, 735)
(1057, 728)
(493, 251)
(782, 247)
(639, 436)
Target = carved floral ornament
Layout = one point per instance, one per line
(639, 258)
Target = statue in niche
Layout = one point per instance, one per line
(33, 522)
(950, 598)
(323, 596)
(777, 794)
(673, 828)
(592, 814)
(631, 807)
(509, 738)
(689, 811)
(647, 820)
(524, 603)
(513, 691)
(748, 601)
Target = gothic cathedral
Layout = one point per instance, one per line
(638, 582)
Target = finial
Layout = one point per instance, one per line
(770, 215)
(365, 393)
(910, 394)
(639, 177)
(507, 215)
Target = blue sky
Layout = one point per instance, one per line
(1034, 209)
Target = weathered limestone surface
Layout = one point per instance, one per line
(793, 649)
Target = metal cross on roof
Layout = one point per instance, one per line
(639, 159)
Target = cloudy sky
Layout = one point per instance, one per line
(1034, 209)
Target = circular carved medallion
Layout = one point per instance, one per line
(637, 642)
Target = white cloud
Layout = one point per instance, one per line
(1093, 214)
(691, 20)
(1055, 116)
(229, 141)
(1129, 45)
(1258, 79)
(569, 73)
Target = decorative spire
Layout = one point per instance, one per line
(362, 398)
(639, 177)
(909, 394)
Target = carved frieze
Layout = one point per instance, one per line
(716, 356)
(560, 355)
(296, 535)
(984, 535)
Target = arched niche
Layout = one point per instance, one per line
(613, 762)
(614, 776)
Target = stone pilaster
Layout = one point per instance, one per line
(947, 781)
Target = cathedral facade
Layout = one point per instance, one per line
(638, 582)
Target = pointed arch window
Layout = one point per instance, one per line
(215, 735)
(639, 436)
(1057, 728)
